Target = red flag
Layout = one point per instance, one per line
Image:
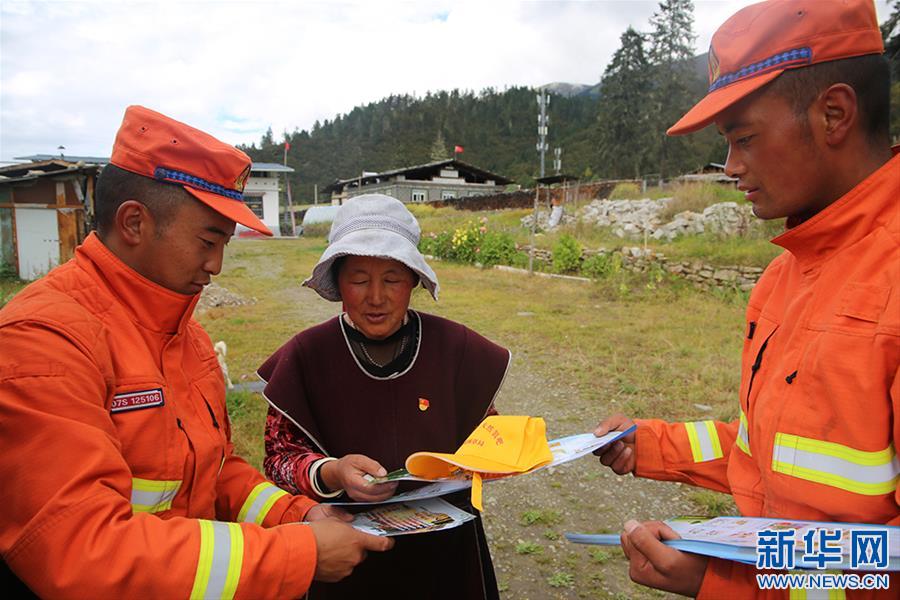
(287, 146)
(457, 149)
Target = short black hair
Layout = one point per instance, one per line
(116, 185)
(868, 75)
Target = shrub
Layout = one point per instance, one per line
(566, 255)
(317, 230)
(497, 249)
(697, 196)
(601, 266)
(625, 191)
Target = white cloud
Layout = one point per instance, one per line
(69, 69)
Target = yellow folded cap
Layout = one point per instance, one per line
(500, 445)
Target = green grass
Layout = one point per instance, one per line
(544, 517)
(649, 352)
(9, 288)
(561, 579)
(523, 547)
(713, 504)
(752, 249)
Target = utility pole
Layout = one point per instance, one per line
(543, 101)
(287, 181)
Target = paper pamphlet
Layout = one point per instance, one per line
(564, 449)
(735, 538)
(432, 490)
(417, 516)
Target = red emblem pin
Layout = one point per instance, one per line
(424, 404)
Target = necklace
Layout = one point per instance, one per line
(368, 356)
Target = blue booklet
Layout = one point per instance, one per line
(814, 544)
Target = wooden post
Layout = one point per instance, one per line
(534, 214)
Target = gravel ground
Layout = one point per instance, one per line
(533, 560)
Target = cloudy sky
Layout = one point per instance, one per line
(68, 69)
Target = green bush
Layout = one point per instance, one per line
(601, 266)
(437, 244)
(566, 255)
(317, 230)
(626, 191)
(497, 249)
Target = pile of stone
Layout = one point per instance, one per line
(543, 220)
(634, 219)
(215, 296)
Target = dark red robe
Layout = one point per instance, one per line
(316, 381)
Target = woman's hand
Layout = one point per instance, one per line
(348, 474)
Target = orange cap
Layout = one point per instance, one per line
(760, 42)
(153, 145)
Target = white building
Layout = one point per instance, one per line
(262, 192)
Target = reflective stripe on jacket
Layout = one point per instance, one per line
(119, 473)
(819, 419)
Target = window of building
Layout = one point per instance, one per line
(447, 194)
(255, 202)
(419, 195)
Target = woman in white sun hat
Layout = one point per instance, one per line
(360, 392)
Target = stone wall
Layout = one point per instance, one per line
(640, 260)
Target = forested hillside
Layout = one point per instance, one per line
(651, 80)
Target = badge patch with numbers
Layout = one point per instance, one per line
(137, 400)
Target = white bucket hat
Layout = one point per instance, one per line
(371, 225)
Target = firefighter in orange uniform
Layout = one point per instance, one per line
(799, 90)
(119, 476)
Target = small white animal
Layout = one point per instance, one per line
(221, 350)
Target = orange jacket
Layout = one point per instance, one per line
(119, 477)
(820, 383)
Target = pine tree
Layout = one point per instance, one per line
(623, 122)
(890, 32)
(671, 54)
(439, 147)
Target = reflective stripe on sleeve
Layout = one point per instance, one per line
(259, 502)
(220, 560)
(152, 496)
(743, 437)
(704, 440)
(843, 467)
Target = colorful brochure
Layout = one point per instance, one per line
(405, 518)
(752, 540)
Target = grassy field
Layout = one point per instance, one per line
(753, 249)
(632, 344)
(581, 351)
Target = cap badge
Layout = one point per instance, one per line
(424, 404)
(241, 180)
(713, 64)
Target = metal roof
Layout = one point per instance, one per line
(275, 167)
(422, 170)
(551, 179)
(94, 160)
(46, 168)
(103, 160)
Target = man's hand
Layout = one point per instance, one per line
(658, 566)
(348, 474)
(326, 511)
(618, 456)
(339, 548)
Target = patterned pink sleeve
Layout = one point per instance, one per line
(289, 454)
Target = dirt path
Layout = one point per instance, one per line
(532, 560)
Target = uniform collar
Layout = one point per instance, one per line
(149, 304)
(872, 203)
